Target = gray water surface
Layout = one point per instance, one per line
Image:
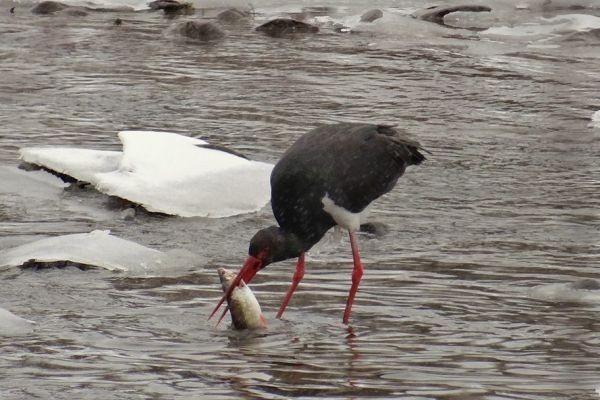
(507, 201)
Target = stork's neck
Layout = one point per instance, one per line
(290, 246)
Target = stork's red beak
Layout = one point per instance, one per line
(250, 268)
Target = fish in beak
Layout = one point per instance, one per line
(249, 269)
(241, 302)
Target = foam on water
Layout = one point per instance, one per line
(584, 291)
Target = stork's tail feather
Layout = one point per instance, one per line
(404, 143)
(416, 157)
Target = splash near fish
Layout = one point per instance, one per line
(242, 304)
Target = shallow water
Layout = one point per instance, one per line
(507, 201)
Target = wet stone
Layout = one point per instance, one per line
(233, 16)
(284, 26)
(203, 31)
(371, 15)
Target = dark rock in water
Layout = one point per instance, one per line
(371, 15)
(204, 31)
(561, 6)
(12, 10)
(284, 26)
(171, 6)
(118, 22)
(591, 37)
(52, 7)
(436, 14)
(233, 16)
(163, 4)
(377, 229)
(586, 284)
(75, 12)
(37, 265)
(48, 7)
(25, 166)
(55, 7)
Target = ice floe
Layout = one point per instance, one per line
(95, 249)
(165, 172)
(13, 325)
(595, 120)
(34, 184)
(81, 164)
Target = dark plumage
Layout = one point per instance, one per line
(326, 178)
(353, 164)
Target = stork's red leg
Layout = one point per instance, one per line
(356, 276)
(298, 274)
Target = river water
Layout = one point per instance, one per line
(507, 201)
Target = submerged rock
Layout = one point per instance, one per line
(586, 284)
(171, 7)
(48, 7)
(581, 291)
(203, 31)
(591, 37)
(75, 12)
(285, 26)
(377, 229)
(233, 16)
(371, 15)
(55, 7)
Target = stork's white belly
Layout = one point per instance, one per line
(344, 218)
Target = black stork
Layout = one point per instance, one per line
(328, 177)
